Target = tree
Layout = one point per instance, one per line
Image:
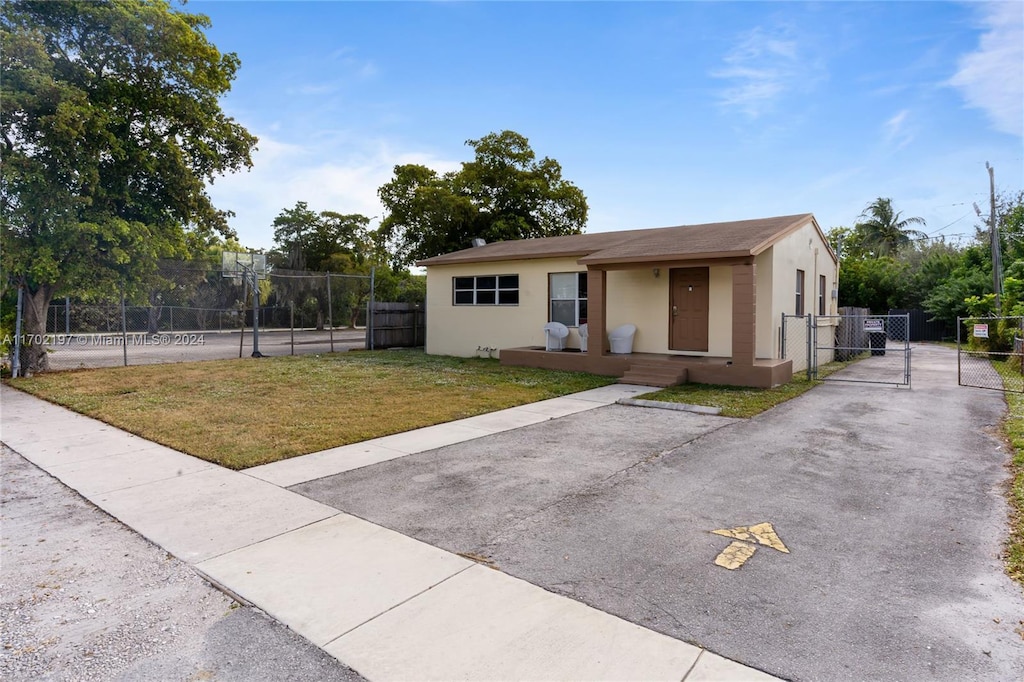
(505, 193)
(320, 242)
(883, 230)
(1010, 222)
(307, 240)
(110, 128)
(879, 284)
(969, 278)
(339, 243)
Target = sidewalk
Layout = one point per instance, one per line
(387, 605)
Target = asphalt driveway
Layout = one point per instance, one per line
(890, 502)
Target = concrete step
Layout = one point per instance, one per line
(644, 380)
(654, 374)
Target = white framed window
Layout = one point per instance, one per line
(822, 283)
(486, 290)
(799, 292)
(568, 298)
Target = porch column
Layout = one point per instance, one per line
(744, 315)
(597, 309)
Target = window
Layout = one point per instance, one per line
(799, 292)
(486, 290)
(568, 298)
(821, 294)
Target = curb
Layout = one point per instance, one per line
(678, 407)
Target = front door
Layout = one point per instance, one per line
(688, 311)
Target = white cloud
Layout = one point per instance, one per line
(896, 130)
(362, 68)
(340, 176)
(313, 89)
(763, 68)
(345, 68)
(991, 78)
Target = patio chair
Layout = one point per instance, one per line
(555, 334)
(620, 339)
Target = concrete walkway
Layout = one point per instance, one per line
(389, 606)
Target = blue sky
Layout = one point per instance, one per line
(663, 113)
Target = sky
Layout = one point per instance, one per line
(662, 113)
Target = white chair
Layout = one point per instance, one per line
(555, 334)
(584, 334)
(621, 339)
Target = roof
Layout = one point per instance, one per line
(682, 242)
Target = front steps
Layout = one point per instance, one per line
(654, 372)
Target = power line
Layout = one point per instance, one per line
(952, 223)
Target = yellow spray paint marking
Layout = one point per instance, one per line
(735, 555)
(762, 534)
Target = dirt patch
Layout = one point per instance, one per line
(85, 598)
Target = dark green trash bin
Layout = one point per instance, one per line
(877, 340)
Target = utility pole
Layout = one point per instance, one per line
(997, 258)
(251, 270)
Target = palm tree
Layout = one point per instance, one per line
(883, 229)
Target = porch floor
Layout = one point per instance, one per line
(655, 369)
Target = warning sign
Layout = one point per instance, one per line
(981, 331)
(873, 326)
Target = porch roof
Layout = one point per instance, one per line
(682, 242)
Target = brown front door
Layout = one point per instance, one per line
(688, 309)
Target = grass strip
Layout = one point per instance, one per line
(740, 401)
(1014, 429)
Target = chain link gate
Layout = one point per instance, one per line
(880, 343)
(990, 353)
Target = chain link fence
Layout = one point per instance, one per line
(194, 314)
(793, 345)
(880, 342)
(990, 353)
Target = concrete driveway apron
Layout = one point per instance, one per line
(887, 503)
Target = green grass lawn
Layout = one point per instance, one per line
(739, 401)
(1013, 428)
(240, 413)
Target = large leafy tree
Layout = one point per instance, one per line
(110, 128)
(339, 243)
(884, 231)
(306, 240)
(504, 193)
(321, 242)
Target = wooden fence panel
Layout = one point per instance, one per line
(396, 325)
(850, 335)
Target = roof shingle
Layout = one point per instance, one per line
(682, 242)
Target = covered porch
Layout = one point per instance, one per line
(741, 368)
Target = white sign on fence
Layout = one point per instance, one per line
(981, 331)
(874, 326)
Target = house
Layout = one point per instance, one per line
(707, 300)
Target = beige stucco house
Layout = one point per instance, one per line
(707, 300)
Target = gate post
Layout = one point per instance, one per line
(783, 340)
(812, 356)
(330, 313)
(124, 330)
(16, 360)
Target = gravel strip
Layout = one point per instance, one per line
(82, 597)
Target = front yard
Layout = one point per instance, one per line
(240, 413)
